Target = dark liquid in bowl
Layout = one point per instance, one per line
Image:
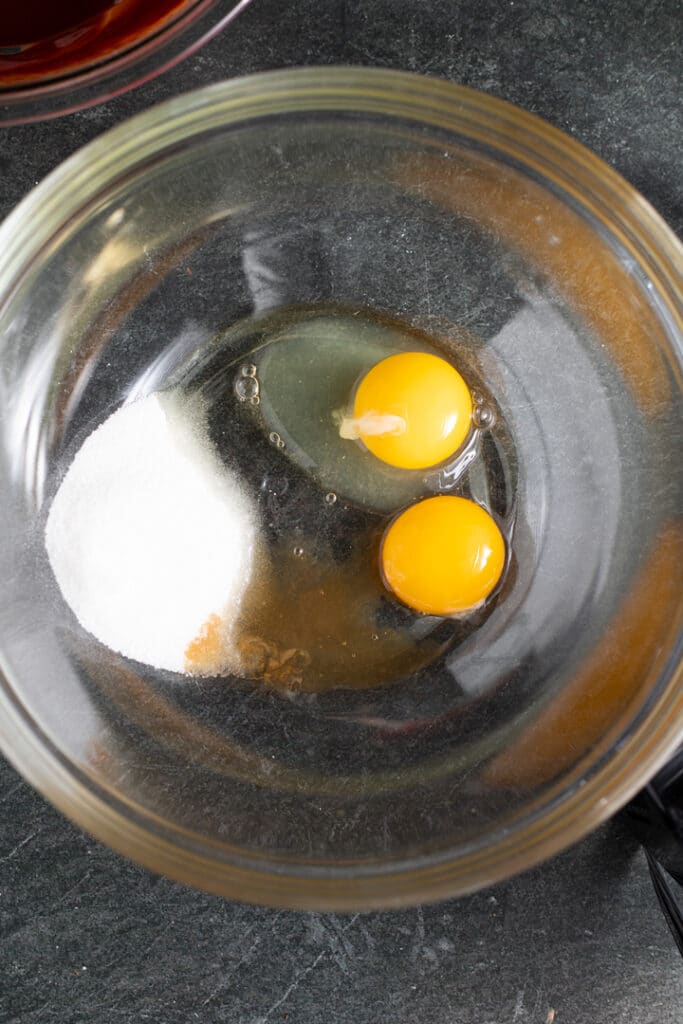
(44, 39)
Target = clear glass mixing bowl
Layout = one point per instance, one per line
(462, 217)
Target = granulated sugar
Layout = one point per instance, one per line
(150, 537)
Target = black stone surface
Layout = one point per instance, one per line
(86, 936)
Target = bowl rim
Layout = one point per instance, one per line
(95, 81)
(194, 860)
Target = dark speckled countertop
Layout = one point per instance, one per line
(86, 936)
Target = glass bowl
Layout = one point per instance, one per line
(417, 203)
(89, 52)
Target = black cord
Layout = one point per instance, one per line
(667, 899)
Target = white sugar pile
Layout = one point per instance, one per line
(149, 536)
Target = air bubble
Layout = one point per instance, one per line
(247, 389)
(484, 417)
(330, 498)
(275, 439)
(298, 552)
(248, 370)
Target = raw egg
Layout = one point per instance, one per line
(443, 555)
(307, 375)
(412, 410)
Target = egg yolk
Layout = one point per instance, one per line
(443, 555)
(412, 410)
